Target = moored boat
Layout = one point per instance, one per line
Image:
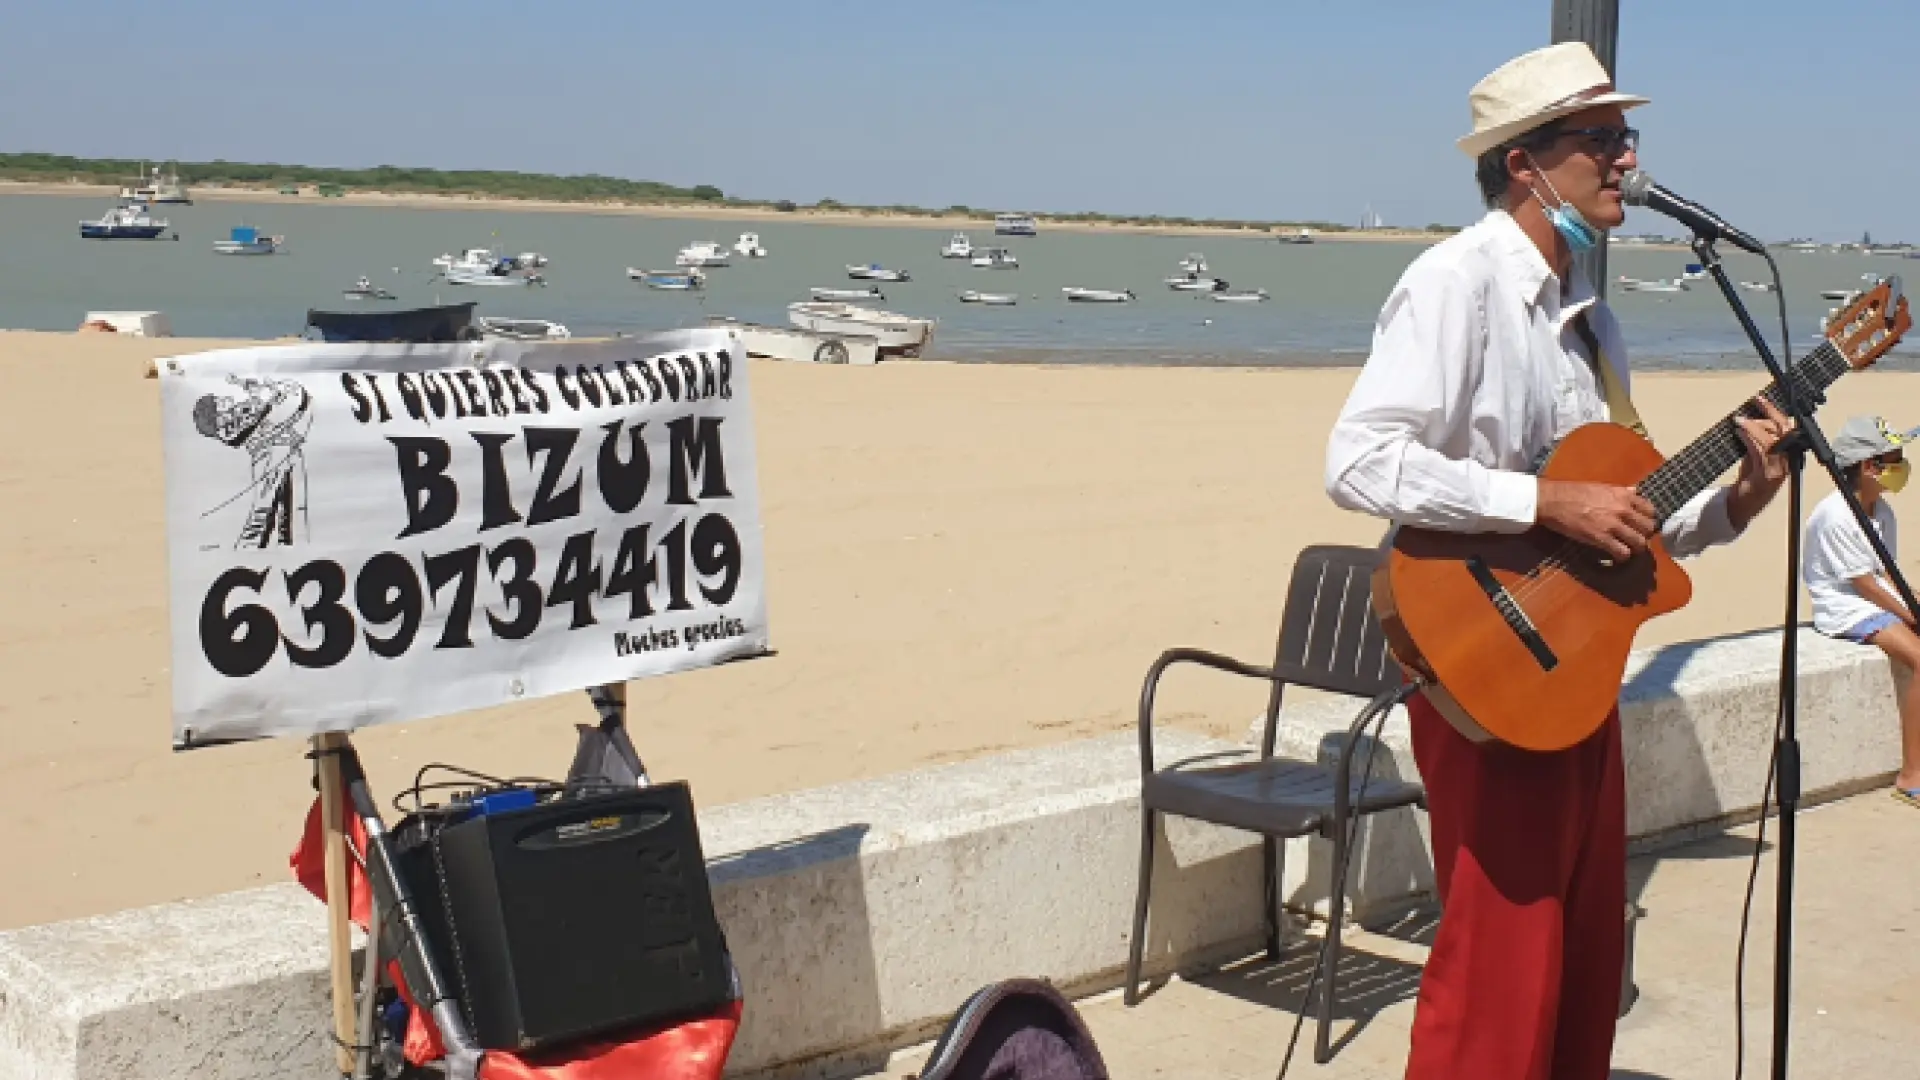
(994, 299)
(868, 293)
(160, 187)
(1197, 283)
(247, 240)
(897, 334)
(129, 222)
(702, 253)
(500, 275)
(958, 248)
(494, 326)
(876, 272)
(1244, 296)
(1015, 225)
(1301, 237)
(1097, 296)
(365, 289)
(748, 246)
(995, 258)
(685, 280)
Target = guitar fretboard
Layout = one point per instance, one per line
(1693, 469)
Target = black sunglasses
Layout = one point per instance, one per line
(1605, 142)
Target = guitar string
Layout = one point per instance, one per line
(1664, 483)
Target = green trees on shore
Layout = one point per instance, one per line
(478, 183)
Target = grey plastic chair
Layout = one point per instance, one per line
(1331, 641)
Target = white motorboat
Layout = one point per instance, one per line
(684, 280)
(158, 188)
(897, 334)
(1693, 272)
(990, 298)
(493, 326)
(876, 272)
(1655, 286)
(1194, 276)
(748, 246)
(500, 275)
(1244, 296)
(995, 258)
(701, 253)
(958, 248)
(486, 259)
(1757, 286)
(1015, 225)
(1097, 296)
(1301, 237)
(869, 293)
(247, 240)
(1837, 294)
(365, 289)
(129, 222)
(1197, 283)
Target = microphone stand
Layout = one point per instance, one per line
(1800, 400)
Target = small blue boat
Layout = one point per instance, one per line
(129, 222)
(246, 240)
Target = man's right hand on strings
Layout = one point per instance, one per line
(1616, 520)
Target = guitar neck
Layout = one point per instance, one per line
(1693, 469)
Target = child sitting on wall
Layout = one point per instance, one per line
(1852, 597)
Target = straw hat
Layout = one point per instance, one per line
(1529, 90)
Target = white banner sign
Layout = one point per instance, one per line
(364, 533)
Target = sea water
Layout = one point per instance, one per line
(1324, 296)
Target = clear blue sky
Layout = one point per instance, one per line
(1787, 118)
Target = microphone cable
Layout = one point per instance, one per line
(1773, 757)
(1381, 708)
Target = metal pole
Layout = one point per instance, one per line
(1596, 22)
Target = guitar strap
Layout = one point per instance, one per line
(1619, 406)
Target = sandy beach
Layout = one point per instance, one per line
(961, 559)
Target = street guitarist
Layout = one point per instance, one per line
(1490, 348)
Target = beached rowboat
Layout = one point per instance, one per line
(898, 334)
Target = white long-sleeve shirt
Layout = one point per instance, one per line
(1476, 371)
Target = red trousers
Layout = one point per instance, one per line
(1529, 854)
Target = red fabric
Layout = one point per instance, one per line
(692, 1050)
(695, 1050)
(1529, 854)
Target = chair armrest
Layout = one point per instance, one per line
(1169, 658)
(1381, 704)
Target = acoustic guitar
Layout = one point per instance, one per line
(1523, 638)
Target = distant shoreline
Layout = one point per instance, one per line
(692, 212)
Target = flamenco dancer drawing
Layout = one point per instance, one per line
(269, 419)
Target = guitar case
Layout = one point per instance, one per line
(1021, 1029)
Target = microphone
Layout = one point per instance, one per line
(1638, 189)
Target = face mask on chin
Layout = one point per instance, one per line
(1569, 222)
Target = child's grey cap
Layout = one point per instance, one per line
(1866, 437)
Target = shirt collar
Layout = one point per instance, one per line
(1522, 265)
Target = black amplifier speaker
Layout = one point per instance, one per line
(573, 917)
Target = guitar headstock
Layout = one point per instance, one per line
(1871, 323)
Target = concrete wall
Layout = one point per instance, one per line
(862, 914)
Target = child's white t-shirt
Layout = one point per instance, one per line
(1836, 552)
